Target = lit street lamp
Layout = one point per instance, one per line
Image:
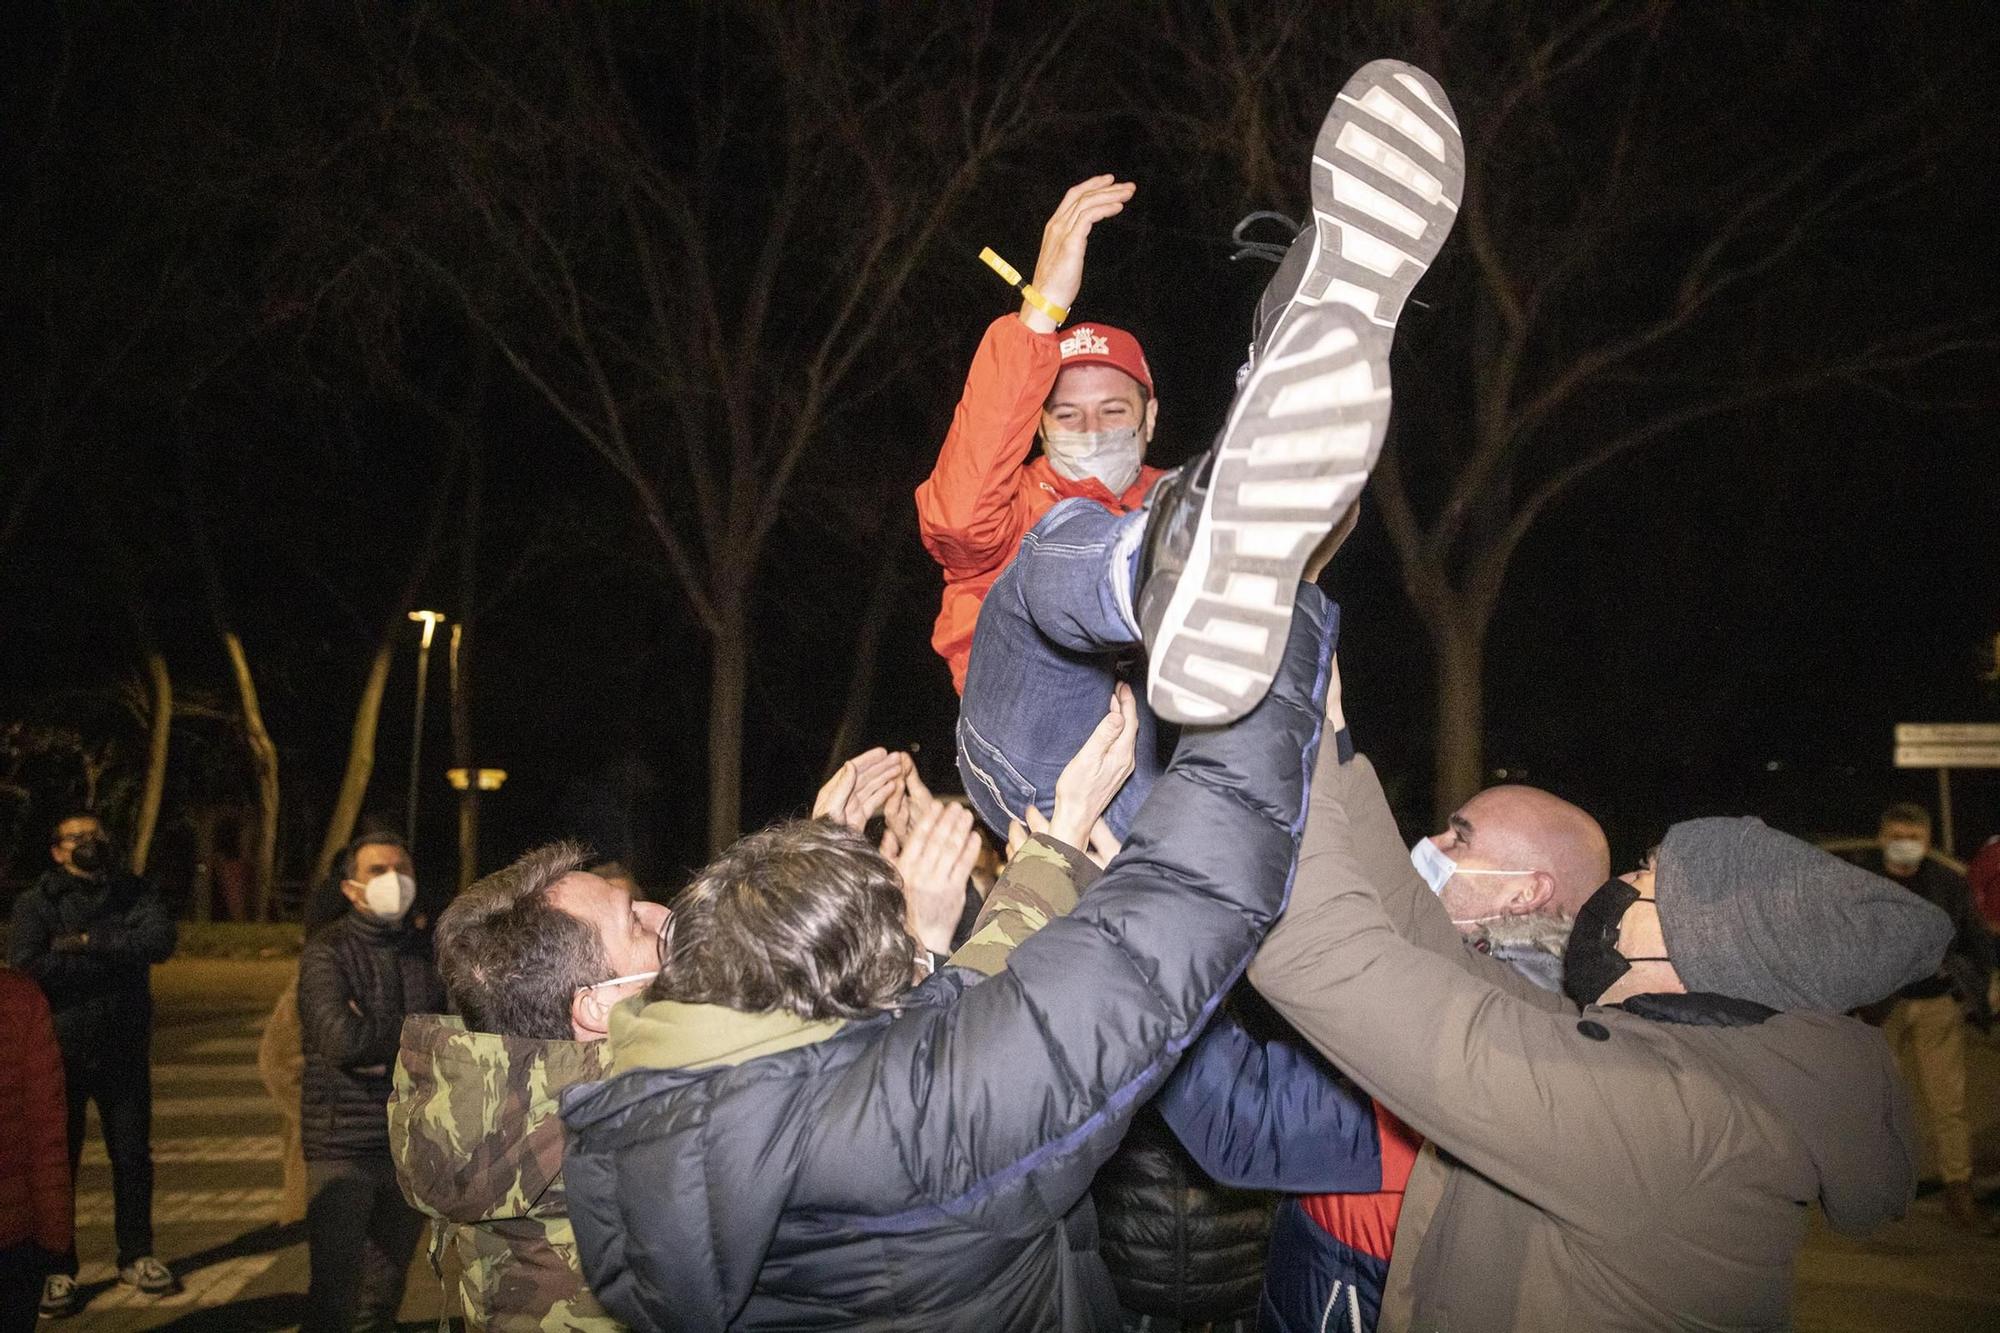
(430, 621)
(487, 779)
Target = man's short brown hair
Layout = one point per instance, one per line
(803, 917)
(1907, 812)
(511, 959)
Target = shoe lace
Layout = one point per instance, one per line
(1270, 251)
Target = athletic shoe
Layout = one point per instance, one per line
(58, 1296)
(1387, 172)
(150, 1276)
(1228, 536)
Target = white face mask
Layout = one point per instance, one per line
(1904, 853)
(621, 981)
(1111, 456)
(388, 896)
(1438, 869)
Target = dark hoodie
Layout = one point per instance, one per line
(1614, 1168)
(478, 1147)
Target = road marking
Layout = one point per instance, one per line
(239, 1106)
(200, 1073)
(200, 1148)
(227, 1045)
(257, 1203)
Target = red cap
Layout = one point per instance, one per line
(1102, 345)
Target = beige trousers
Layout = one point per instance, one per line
(1928, 1037)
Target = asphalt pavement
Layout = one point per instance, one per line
(215, 1142)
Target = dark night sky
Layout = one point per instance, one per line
(1731, 620)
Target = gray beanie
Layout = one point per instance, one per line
(1757, 914)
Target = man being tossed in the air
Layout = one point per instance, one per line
(1086, 390)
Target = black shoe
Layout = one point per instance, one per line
(1387, 172)
(1228, 536)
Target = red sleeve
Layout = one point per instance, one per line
(965, 508)
(45, 1126)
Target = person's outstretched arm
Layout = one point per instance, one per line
(1019, 1091)
(1271, 1115)
(1490, 1078)
(965, 509)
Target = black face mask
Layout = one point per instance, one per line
(92, 856)
(1592, 964)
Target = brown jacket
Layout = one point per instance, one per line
(1593, 1171)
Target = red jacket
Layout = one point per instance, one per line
(984, 494)
(35, 1201)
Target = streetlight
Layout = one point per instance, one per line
(485, 779)
(430, 621)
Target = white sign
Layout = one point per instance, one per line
(1948, 756)
(1948, 733)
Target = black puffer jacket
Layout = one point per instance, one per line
(100, 993)
(358, 980)
(929, 1168)
(1178, 1245)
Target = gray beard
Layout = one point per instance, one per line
(1543, 934)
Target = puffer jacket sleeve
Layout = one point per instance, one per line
(1004, 1104)
(35, 1073)
(348, 1028)
(1491, 1079)
(1271, 1115)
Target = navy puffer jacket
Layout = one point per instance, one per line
(928, 1169)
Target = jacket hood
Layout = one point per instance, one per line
(1835, 1080)
(667, 1034)
(473, 1122)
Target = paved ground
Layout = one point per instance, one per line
(215, 1140)
(215, 1148)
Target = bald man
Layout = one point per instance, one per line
(1512, 867)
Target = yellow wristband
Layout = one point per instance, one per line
(1012, 277)
(1042, 303)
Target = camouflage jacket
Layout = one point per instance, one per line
(479, 1148)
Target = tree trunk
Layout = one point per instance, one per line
(882, 599)
(203, 820)
(728, 682)
(1461, 716)
(461, 757)
(360, 763)
(156, 760)
(462, 748)
(264, 758)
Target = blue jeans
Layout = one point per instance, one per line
(1055, 634)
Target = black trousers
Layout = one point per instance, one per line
(20, 1291)
(361, 1236)
(123, 1091)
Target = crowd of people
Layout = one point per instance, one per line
(1206, 1046)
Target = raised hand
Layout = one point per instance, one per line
(1100, 768)
(1065, 237)
(860, 788)
(935, 863)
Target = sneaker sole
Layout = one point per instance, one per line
(1388, 171)
(1304, 431)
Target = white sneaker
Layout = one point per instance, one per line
(59, 1296)
(150, 1276)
